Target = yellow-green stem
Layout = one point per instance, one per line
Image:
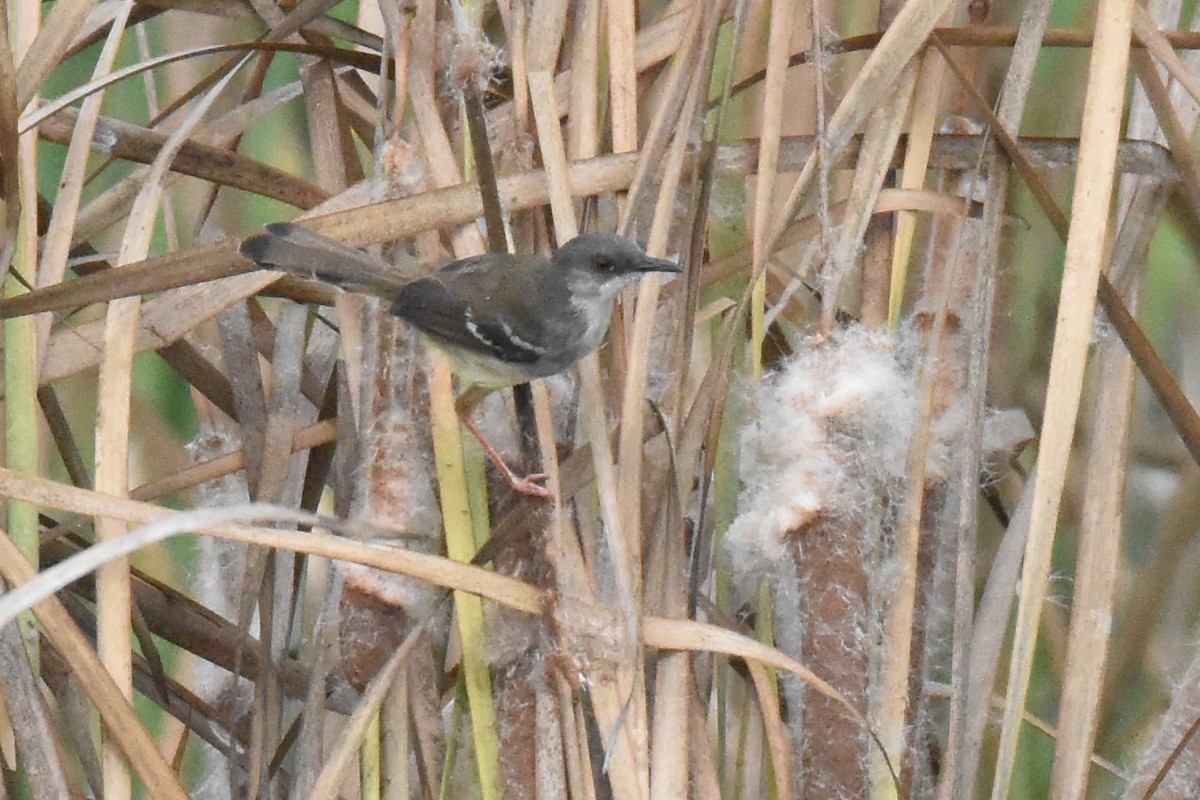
(21, 436)
(369, 763)
(460, 546)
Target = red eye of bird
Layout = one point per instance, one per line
(603, 265)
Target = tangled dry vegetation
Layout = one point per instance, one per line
(889, 494)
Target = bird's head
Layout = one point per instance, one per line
(601, 264)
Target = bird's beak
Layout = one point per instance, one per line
(658, 265)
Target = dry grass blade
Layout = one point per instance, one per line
(59, 235)
(916, 161)
(778, 47)
(906, 34)
(1179, 409)
(203, 263)
(160, 525)
(215, 164)
(625, 739)
(971, 674)
(333, 772)
(162, 322)
(113, 584)
(1173, 129)
(669, 762)
(9, 169)
(768, 703)
(622, 75)
(398, 219)
(33, 119)
(312, 436)
(1156, 44)
(1084, 258)
(31, 724)
(1100, 541)
(689, 635)
(48, 49)
(120, 721)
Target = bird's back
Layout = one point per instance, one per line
(495, 306)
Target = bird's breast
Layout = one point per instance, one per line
(594, 319)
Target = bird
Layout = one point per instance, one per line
(502, 319)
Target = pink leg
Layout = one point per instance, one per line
(530, 484)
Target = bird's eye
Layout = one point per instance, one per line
(603, 265)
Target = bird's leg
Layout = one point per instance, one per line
(530, 484)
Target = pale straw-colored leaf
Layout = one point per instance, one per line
(1099, 559)
(57, 244)
(1084, 257)
(120, 721)
(916, 162)
(48, 49)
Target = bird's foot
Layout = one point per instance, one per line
(530, 485)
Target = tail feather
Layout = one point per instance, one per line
(299, 251)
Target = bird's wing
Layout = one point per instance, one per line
(457, 306)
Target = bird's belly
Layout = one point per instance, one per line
(476, 370)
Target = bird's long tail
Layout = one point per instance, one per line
(299, 251)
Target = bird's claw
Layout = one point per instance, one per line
(531, 485)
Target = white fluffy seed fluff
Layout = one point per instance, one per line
(832, 432)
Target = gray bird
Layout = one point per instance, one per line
(501, 319)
